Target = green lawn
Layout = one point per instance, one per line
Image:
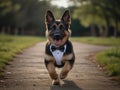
(11, 45)
(108, 59)
(98, 40)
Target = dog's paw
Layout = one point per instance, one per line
(63, 76)
(55, 82)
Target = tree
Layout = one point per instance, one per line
(23, 16)
(92, 12)
(30, 17)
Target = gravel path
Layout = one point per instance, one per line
(28, 72)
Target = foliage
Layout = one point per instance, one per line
(101, 12)
(24, 15)
(97, 9)
(10, 45)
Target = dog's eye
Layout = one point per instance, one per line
(61, 27)
(54, 27)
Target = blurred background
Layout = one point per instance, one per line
(100, 18)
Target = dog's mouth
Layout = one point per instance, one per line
(57, 39)
(57, 42)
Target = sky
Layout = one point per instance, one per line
(60, 3)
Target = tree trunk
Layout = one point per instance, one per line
(16, 31)
(22, 31)
(3, 30)
(92, 29)
(8, 29)
(108, 26)
(116, 28)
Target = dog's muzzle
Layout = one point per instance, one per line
(57, 35)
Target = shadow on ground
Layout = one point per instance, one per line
(69, 85)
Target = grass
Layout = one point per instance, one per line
(108, 59)
(98, 40)
(11, 45)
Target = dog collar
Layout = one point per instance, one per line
(58, 54)
(53, 48)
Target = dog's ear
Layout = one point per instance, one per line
(49, 17)
(66, 17)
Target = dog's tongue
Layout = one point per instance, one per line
(57, 42)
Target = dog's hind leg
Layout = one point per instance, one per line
(52, 72)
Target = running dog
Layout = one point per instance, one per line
(58, 50)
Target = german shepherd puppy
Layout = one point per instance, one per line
(59, 50)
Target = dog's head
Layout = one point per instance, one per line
(57, 31)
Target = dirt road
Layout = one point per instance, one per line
(27, 71)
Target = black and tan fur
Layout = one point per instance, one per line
(58, 30)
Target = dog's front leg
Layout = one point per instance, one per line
(67, 67)
(52, 72)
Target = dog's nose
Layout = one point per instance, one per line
(57, 36)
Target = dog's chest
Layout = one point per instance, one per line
(58, 54)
